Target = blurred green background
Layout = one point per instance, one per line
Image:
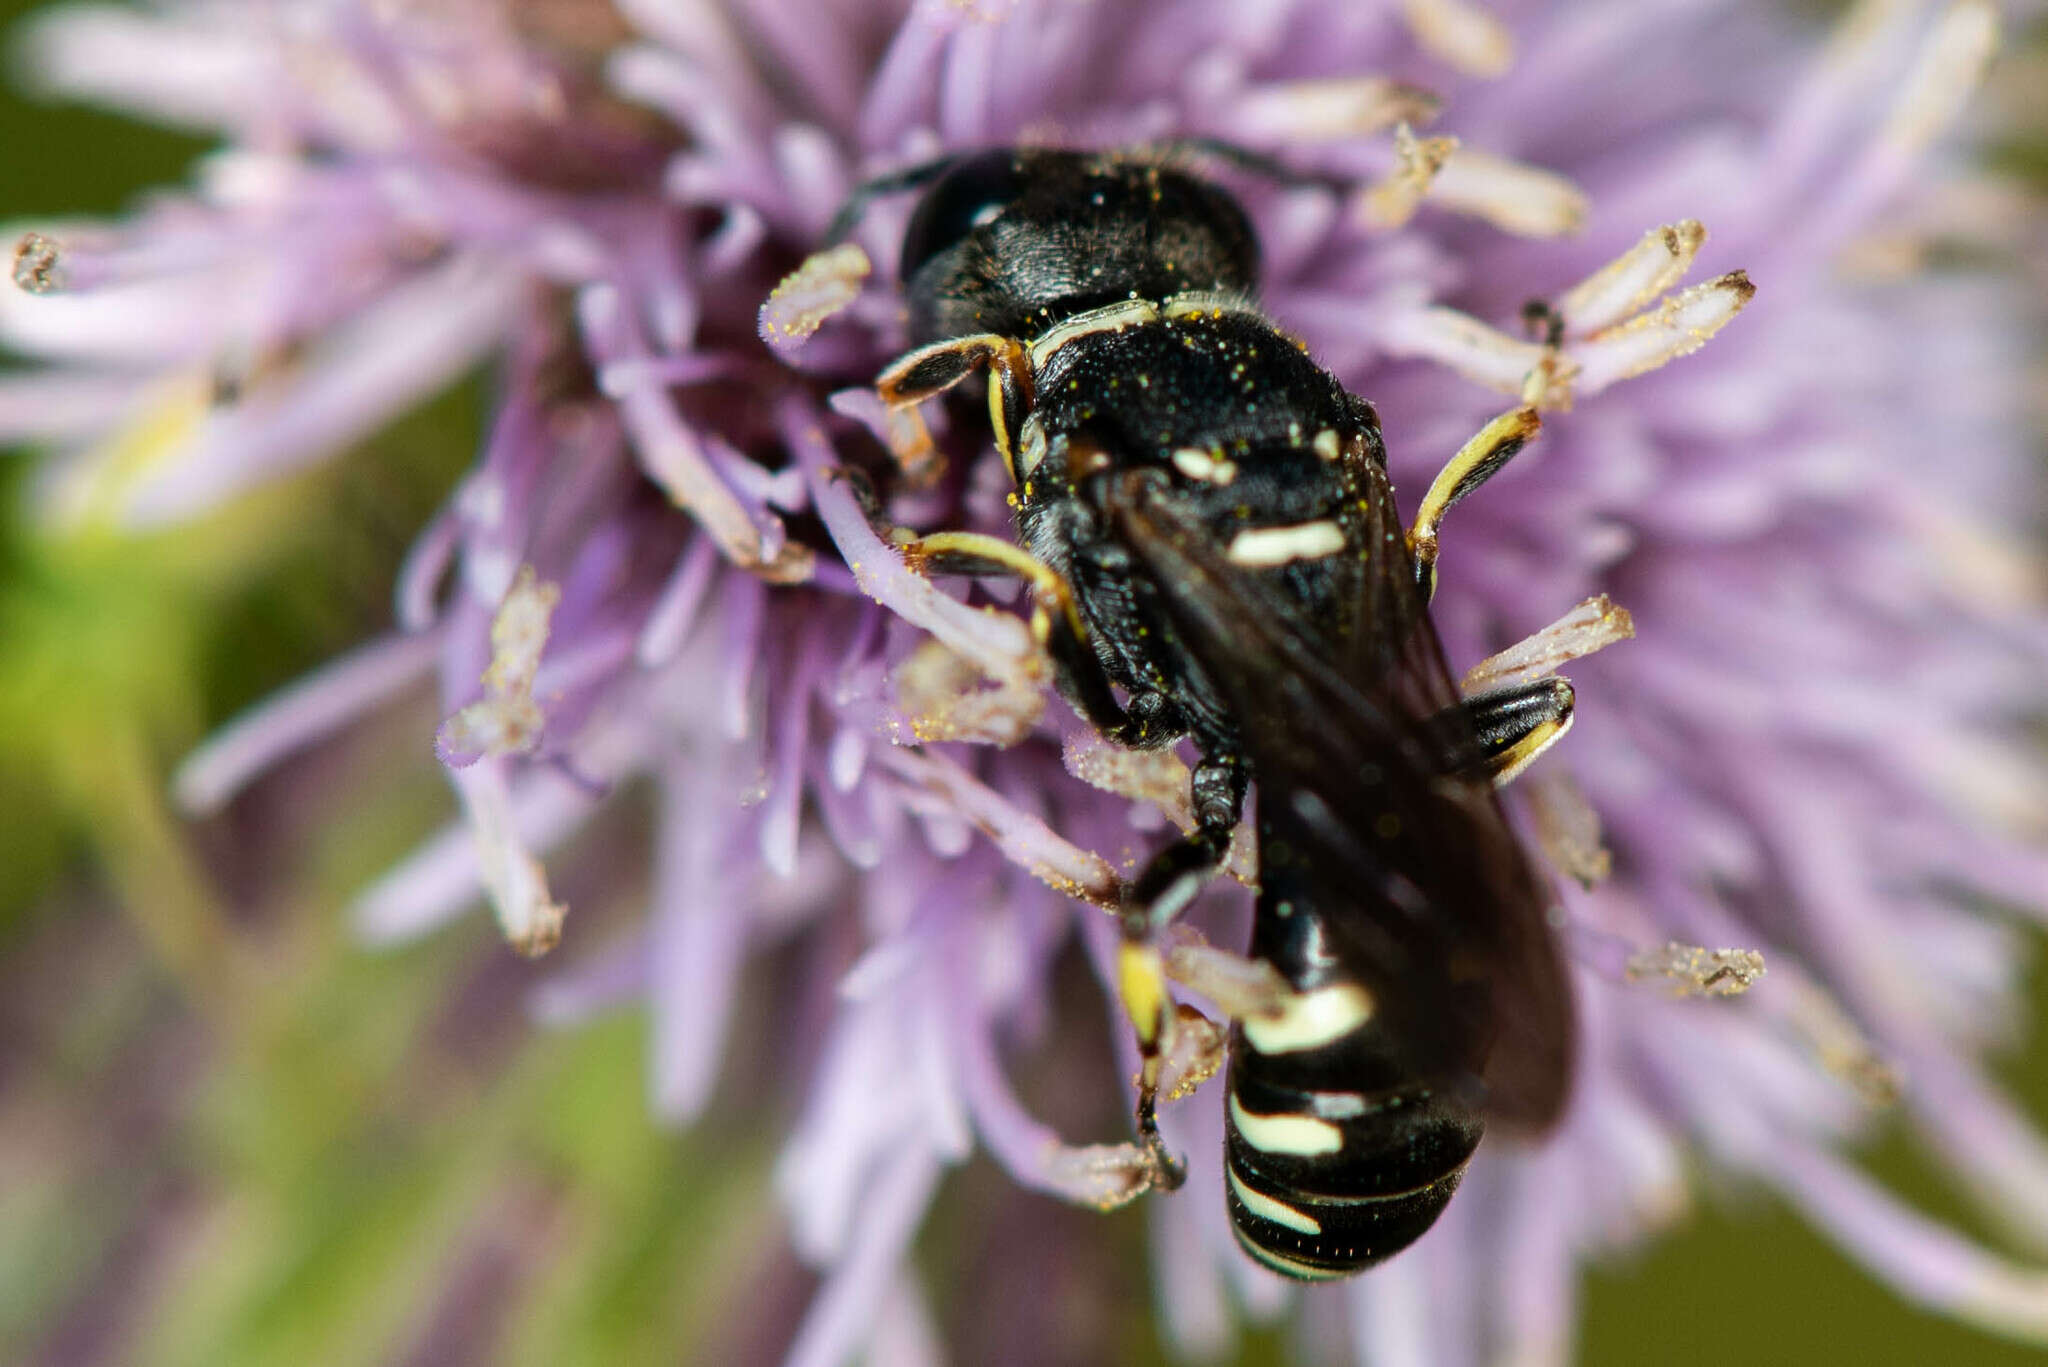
(230, 1136)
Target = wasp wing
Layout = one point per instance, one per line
(1374, 805)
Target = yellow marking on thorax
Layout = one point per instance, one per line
(1209, 466)
(1263, 547)
(1129, 313)
(1115, 317)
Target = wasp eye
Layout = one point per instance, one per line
(971, 194)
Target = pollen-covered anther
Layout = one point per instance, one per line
(946, 697)
(1324, 110)
(1105, 1176)
(1691, 971)
(1461, 35)
(492, 726)
(1158, 777)
(519, 632)
(1390, 202)
(38, 264)
(506, 720)
(790, 564)
(1626, 284)
(1194, 1052)
(513, 877)
(1841, 1048)
(1567, 829)
(1679, 326)
(1593, 624)
(1511, 195)
(541, 928)
(824, 284)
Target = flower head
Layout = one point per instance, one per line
(660, 571)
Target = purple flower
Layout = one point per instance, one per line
(655, 570)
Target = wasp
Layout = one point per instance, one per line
(1208, 515)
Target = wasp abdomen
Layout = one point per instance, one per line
(1336, 1155)
(1333, 1161)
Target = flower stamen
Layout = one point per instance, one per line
(1328, 110)
(1692, 971)
(1626, 284)
(507, 720)
(1511, 195)
(38, 264)
(1592, 625)
(1461, 35)
(1391, 201)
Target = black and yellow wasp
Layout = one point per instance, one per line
(1206, 517)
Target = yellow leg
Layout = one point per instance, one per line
(987, 557)
(1141, 974)
(1517, 723)
(1477, 461)
(1141, 986)
(1509, 764)
(932, 370)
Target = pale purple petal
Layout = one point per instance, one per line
(309, 710)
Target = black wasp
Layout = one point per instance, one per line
(1207, 515)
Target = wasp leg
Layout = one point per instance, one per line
(932, 370)
(1477, 461)
(1141, 986)
(980, 556)
(867, 192)
(976, 555)
(1174, 875)
(1517, 723)
(1056, 621)
(1148, 720)
(1158, 895)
